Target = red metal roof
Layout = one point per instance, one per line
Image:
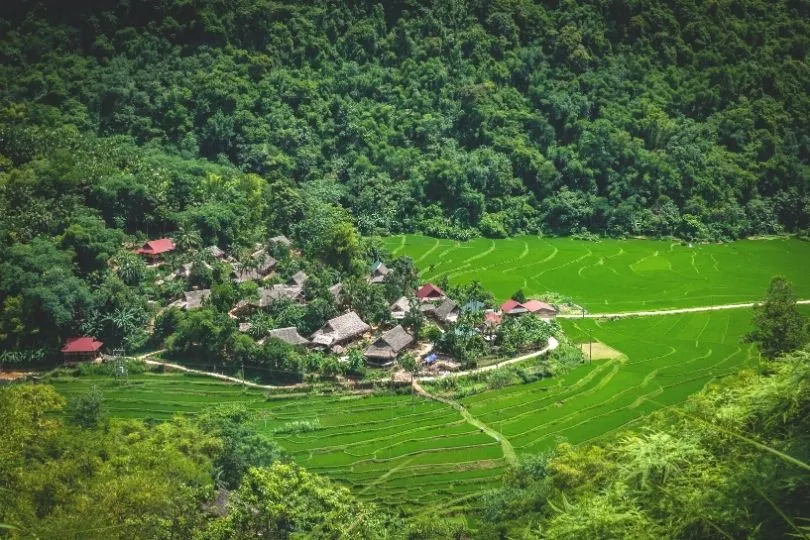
(81, 345)
(429, 290)
(509, 305)
(537, 305)
(156, 247)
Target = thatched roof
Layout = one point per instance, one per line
(379, 273)
(389, 344)
(402, 305)
(281, 239)
(288, 335)
(195, 299)
(246, 274)
(299, 278)
(215, 251)
(446, 310)
(340, 329)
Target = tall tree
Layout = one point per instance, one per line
(778, 325)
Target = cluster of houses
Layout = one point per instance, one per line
(337, 333)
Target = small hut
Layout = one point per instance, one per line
(81, 349)
(387, 347)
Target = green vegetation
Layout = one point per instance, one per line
(732, 462)
(613, 275)
(451, 118)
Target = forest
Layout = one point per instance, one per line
(450, 118)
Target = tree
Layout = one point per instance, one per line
(519, 296)
(284, 501)
(414, 320)
(88, 409)
(778, 326)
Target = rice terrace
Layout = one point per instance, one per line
(614, 275)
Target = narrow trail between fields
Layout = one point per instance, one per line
(653, 313)
(508, 450)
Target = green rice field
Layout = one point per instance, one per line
(613, 275)
(412, 453)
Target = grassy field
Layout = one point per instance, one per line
(412, 453)
(613, 275)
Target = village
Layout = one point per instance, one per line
(424, 324)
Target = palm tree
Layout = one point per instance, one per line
(187, 238)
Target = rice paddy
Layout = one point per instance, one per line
(613, 275)
(411, 453)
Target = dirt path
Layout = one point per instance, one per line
(145, 358)
(509, 453)
(552, 344)
(653, 313)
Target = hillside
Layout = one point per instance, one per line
(449, 118)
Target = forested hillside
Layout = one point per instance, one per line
(452, 118)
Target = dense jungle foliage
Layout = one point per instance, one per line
(454, 118)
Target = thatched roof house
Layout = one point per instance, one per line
(379, 273)
(298, 279)
(388, 346)
(281, 239)
(401, 308)
(192, 299)
(447, 311)
(240, 273)
(267, 295)
(340, 329)
(215, 251)
(288, 335)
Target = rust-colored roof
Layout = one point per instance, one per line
(82, 344)
(493, 318)
(156, 247)
(536, 305)
(429, 290)
(509, 305)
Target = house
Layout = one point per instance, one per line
(379, 273)
(242, 273)
(298, 279)
(400, 308)
(429, 293)
(288, 335)
(388, 346)
(153, 250)
(192, 299)
(512, 307)
(540, 309)
(281, 239)
(447, 311)
(340, 330)
(216, 252)
(78, 349)
(535, 307)
(266, 296)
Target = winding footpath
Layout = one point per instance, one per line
(508, 450)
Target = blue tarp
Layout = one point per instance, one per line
(429, 359)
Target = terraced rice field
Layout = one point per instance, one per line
(666, 358)
(396, 450)
(613, 275)
(411, 453)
